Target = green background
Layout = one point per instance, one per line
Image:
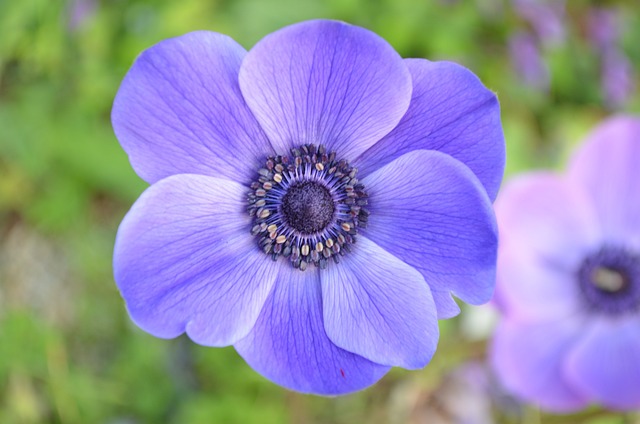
(68, 352)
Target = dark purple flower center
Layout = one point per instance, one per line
(307, 207)
(610, 281)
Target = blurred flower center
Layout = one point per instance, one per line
(610, 281)
(307, 207)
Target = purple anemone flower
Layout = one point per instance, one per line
(569, 277)
(314, 202)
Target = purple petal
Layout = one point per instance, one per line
(547, 227)
(325, 82)
(548, 216)
(184, 260)
(379, 307)
(430, 211)
(451, 111)
(529, 360)
(289, 346)
(605, 365)
(534, 289)
(446, 306)
(179, 110)
(607, 165)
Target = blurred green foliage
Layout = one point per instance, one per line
(68, 353)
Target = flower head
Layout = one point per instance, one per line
(314, 202)
(569, 277)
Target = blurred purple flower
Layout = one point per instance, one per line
(617, 78)
(528, 62)
(546, 17)
(569, 277)
(247, 235)
(603, 27)
(80, 11)
(616, 69)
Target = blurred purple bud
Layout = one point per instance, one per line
(545, 16)
(617, 78)
(603, 27)
(527, 61)
(79, 12)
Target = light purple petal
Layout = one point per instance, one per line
(379, 307)
(547, 226)
(289, 346)
(452, 112)
(546, 215)
(607, 166)
(430, 211)
(605, 365)
(325, 82)
(529, 360)
(179, 110)
(533, 288)
(184, 260)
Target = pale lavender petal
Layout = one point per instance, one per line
(289, 346)
(529, 360)
(184, 260)
(547, 226)
(605, 365)
(549, 216)
(534, 289)
(430, 211)
(379, 307)
(179, 110)
(607, 166)
(325, 82)
(451, 111)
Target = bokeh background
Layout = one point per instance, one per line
(68, 352)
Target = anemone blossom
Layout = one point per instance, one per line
(569, 277)
(314, 202)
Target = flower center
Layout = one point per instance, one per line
(610, 281)
(307, 207)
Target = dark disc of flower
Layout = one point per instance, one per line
(610, 281)
(307, 207)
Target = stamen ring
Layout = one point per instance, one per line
(307, 207)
